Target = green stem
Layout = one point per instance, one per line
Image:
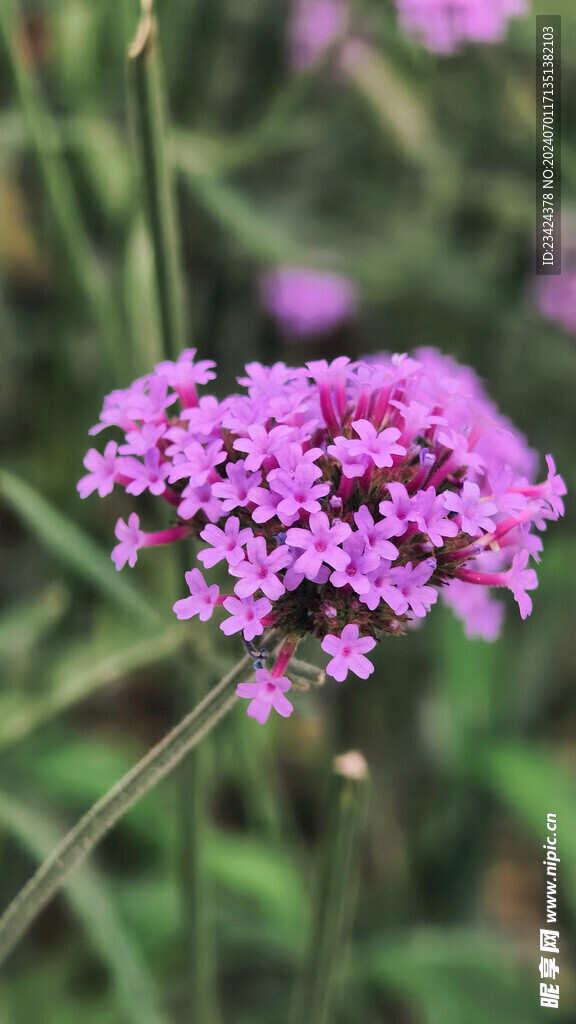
(335, 891)
(304, 670)
(85, 268)
(157, 178)
(82, 839)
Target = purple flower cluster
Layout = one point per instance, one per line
(342, 498)
(308, 302)
(444, 25)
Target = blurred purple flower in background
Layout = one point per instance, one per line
(308, 302)
(315, 25)
(556, 297)
(442, 26)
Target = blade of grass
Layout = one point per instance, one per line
(23, 627)
(533, 783)
(94, 906)
(156, 172)
(82, 839)
(250, 229)
(335, 892)
(72, 685)
(74, 548)
(83, 266)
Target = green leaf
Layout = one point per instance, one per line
(91, 902)
(71, 681)
(74, 548)
(262, 874)
(451, 975)
(533, 784)
(23, 627)
(254, 231)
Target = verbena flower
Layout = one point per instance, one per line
(315, 25)
(308, 302)
(442, 26)
(555, 294)
(344, 499)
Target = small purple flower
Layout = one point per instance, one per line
(348, 652)
(260, 444)
(266, 504)
(102, 469)
(200, 499)
(266, 693)
(430, 517)
(139, 441)
(378, 446)
(149, 404)
(235, 489)
(184, 374)
(203, 598)
(226, 544)
(319, 544)
(361, 562)
(383, 589)
(259, 570)
(521, 579)
(399, 511)
(196, 462)
(410, 581)
(298, 490)
(375, 535)
(554, 488)
(474, 512)
(131, 540)
(247, 615)
(308, 302)
(150, 475)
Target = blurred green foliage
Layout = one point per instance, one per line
(415, 178)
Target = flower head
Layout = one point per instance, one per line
(342, 498)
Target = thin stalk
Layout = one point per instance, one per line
(197, 948)
(193, 781)
(157, 178)
(304, 670)
(335, 895)
(82, 263)
(82, 839)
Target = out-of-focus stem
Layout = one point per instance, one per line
(193, 781)
(80, 842)
(157, 178)
(335, 894)
(82, 264)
